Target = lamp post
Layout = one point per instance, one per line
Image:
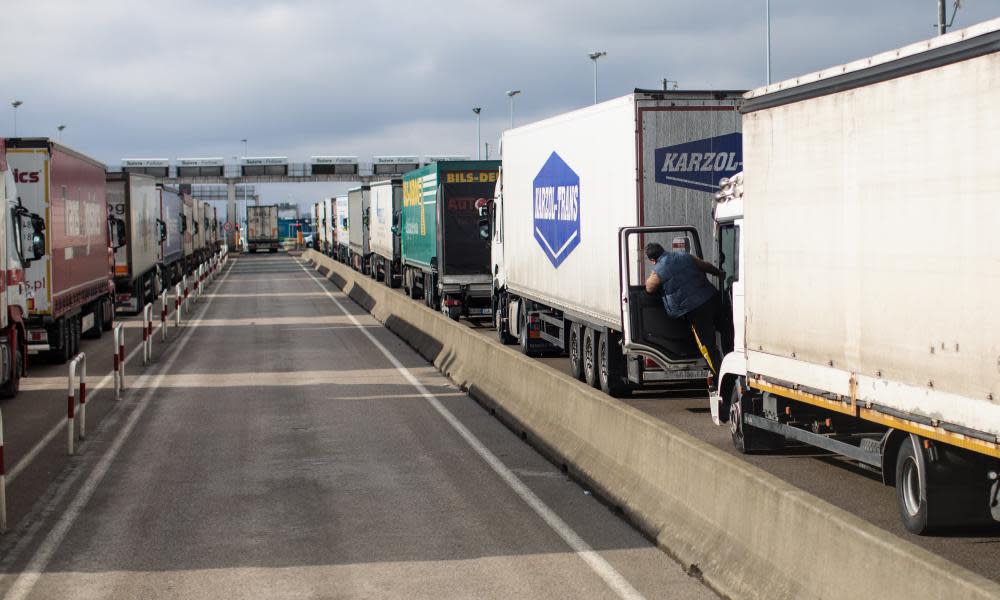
(767, 48)
(244, 147)
(479, 134)
(60, 128)
(15, 104)
(510, 99)
(594, 56)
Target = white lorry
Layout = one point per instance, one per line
(134, 208)
(567, 184)
(863, 266)
(386, 199)
(358, 239)
(342, 230)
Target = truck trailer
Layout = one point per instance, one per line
(358, 240)
(69, 289)
(383, 229)
(134, 208)
(328, 225)
(20, 247)
(171, 224)
(862, 256)
(262, 228)
(187, 231)
(569, 183)
(445, 259)
(342, 230)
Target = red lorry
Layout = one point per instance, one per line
(69, 289)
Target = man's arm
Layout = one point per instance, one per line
(707, 267)
(653, 283)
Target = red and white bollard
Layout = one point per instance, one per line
(118, 349)
(147, 333)
(177, 305)
(163, 315)
(184, 282)
(3, 483)
(81, 361)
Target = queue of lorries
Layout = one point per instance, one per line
(851, 210)
(79, 244)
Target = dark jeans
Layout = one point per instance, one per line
(705, 319)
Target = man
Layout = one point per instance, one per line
(687, 294)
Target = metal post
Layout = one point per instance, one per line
(177, 305)
(147, 333)
(595, 81)
(942, 21)
(767, 48)
(82, 357)
(184, 280)
(120, 329)
(70, 407)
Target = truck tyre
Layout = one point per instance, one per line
(523, 336)
(387, 273)
(13, 385)
(502, 325)
(60, 355)
(610, 366)
(107, 315)
(590, 366)
(98, 328)
(575, 351)
(911, 487)
(430, 294)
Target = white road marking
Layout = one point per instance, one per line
(40, 560)
(595, 561)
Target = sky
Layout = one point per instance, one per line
(309, 77)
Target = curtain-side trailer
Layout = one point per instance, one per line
(69, 289)
(864, 267)
(134, 208)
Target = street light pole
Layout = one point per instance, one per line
(244, 148)
(15, 104)
(510, 98)
(60, 129)
(767, 48)
(479, 134)
(594, 56)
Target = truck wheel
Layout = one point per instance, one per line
(590, 341)
(501, 324)
(430, 294)
(108, 315)
(742, 434)
(610, 367)
(911, 488)
(387, 273)
(576, 351)
(523, 336)
(60, 332)
(13, 385)
(98, 328)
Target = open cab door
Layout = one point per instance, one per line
(648, 331)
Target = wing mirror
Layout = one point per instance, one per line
(120, 231)
(163, 230)
(37, 237)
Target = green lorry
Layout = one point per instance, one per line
(445, 260)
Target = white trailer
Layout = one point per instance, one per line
(329, 225)
(134, 209)
(262, 228)
(358, 240)
(342, 230)
(864, 267)
(386, 199)
(568, 184)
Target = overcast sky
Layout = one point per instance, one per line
(309, 77)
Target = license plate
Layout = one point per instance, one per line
(480, 311)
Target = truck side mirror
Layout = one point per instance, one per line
(395, 230)
(484, 228)
(163, 230)
(38, 237)
(184, 223)
(120, 232)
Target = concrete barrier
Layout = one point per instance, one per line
(748, 533)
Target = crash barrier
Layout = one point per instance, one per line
(746, 532)
(80, 360)
(118, 349)
(147, 334)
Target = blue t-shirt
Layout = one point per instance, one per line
(684, 286)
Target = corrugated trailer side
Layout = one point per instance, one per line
(881, 256)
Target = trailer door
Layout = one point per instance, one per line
(648, 331)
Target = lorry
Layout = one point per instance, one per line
(342, 230)
(134, 209)
(318, 218)
(187, 231)
(21, 246)
(328, 226)
(69, 288)
(262, 228)
(358, 241)
(171, 229)
(445, 259)
(383, 229)
(861, 256)
(568, 184)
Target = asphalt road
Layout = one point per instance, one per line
(285, 444)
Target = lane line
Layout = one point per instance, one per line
(28, 578)
(614, 580)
